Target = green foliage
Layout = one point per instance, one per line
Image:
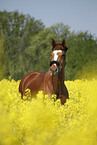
(40, 47)
(40, 50)
(2, 58)
(81, 56)
(18, 30)
(61, 30)
(26, 47)
(15, 24)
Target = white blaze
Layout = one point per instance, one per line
(55, 52)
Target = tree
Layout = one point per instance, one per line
(82, 53)
(15, 24)
(2, 59)
(61, 30)
(26, 46)
(40, 49)
(18, 30)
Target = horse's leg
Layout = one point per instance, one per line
(63, 99)
(64, 95)
(65, 91)
(20, 89)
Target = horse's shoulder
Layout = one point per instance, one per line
(32, 75)
(35, 74)
(28, 78)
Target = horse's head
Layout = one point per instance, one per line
(58, 55)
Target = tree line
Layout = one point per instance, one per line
(25, 46)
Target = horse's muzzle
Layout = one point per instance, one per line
(54, 71)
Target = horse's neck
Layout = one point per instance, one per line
(55, 79)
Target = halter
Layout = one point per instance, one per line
(60, 67)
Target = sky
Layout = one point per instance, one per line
(79, 15)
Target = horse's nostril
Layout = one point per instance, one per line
(56, 70)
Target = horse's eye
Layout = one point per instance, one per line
(63, 55)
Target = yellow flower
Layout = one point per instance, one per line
(45, 121)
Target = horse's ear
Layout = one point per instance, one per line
(66, 48)
(53, 43)
(63, 43)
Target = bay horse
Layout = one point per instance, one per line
(51, 82)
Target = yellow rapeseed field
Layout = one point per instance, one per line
(43, 121)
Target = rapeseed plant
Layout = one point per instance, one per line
(43, 121)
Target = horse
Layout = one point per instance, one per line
(51, 82)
